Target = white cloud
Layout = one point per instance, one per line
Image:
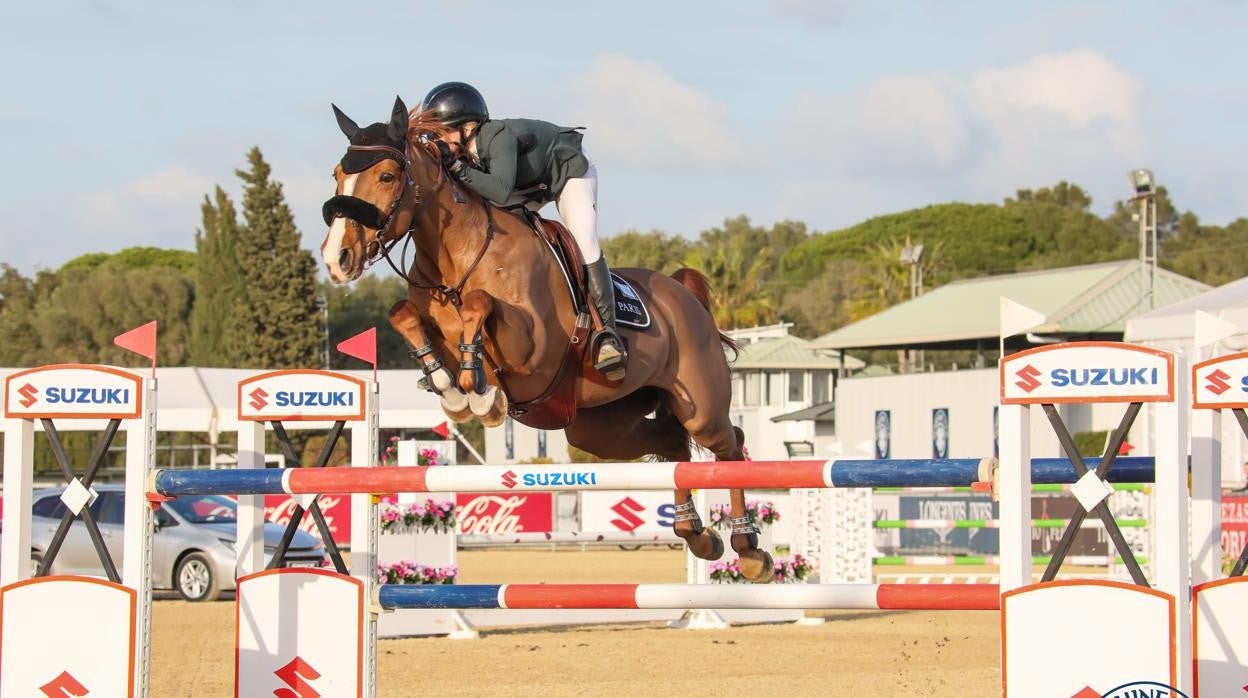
(643, 117)
(979, 136)
(895, 122)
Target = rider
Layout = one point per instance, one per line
(525, 162)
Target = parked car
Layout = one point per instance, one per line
(192, 548)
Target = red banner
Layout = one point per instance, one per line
(278, 508)
(506, 513)
(1234, 524)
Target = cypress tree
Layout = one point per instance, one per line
(278, 320)
(218, 283)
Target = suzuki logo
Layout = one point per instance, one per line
(628, 508)
(1028, 375)
(28, 393)
(63, 686)
(1217, 382)
(509, 479)
(294, 674)
(258, 401)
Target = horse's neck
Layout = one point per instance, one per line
(449, 235)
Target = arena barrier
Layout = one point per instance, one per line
(286, 616)
(71, 635)
(1030, 609)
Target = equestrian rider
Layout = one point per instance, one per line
(525, 162)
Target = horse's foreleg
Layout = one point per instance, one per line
(405, 319)
(487, 402)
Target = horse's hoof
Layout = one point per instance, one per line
(456, 406)
(706, 545)
(758, 567)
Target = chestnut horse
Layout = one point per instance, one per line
(484, 286)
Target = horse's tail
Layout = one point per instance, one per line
(696, 283)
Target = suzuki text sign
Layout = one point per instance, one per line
(1221, 383)
(1087, 372)
(73, 390)
(301, 395)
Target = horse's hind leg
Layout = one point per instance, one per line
(621, 430)
(717, 434)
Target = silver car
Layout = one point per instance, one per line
(192, 549)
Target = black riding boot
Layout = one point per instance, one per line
(610, 357)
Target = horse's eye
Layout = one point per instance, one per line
(387, 177)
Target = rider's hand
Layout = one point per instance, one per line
(446, 153)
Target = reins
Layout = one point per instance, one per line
(384, 246)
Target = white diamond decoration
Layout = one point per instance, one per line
(1090, 490)
(75, 496)
(305, 500)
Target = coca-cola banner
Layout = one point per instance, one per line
(610, 510)
(336, 508)
(531, 512)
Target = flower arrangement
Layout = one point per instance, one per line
(788, 570)
(408, 572)
(760, 513)
(427, 516)
(427, 456)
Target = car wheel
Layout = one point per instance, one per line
(36, 559)
(195, 579)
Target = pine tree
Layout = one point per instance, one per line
(218, 283)
(278, 319)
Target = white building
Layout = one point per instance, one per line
(951, 413)
(782, 393)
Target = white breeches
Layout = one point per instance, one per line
(578, 207)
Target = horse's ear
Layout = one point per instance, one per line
(398, 120)
(349, 127)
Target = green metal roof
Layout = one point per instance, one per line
(788, 352)
(1094, 299)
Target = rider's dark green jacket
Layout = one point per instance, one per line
(526, 156)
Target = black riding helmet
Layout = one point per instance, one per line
(456, 103)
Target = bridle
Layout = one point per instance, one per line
(353, 208)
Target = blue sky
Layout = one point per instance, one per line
(118, 117)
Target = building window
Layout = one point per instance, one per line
(738, 390)
(797, 386)
(775, 388)
(753, 388)
(820, 380)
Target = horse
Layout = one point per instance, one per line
(484, 287)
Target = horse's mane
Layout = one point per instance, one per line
(425, 122)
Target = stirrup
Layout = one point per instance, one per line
(611, 367)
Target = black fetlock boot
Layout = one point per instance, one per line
(610, 357)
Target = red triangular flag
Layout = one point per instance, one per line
(442, 430)
(362, 346)
(141, 340)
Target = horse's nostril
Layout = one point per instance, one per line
(344, 259)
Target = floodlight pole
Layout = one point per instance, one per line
(1146, 194)
(911, 255)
